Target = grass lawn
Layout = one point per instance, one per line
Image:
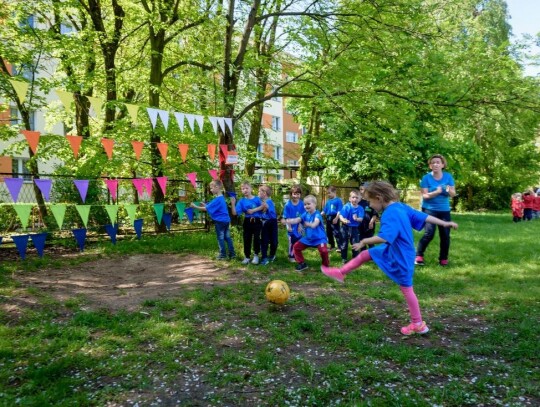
(331, 344)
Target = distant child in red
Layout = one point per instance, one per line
(536, 206)
(517, 207)
(528, 199)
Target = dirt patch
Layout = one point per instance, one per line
(126, 282)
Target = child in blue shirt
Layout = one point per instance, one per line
(218, 211)
(250, 206)
(331, 213)
(351, 216)
(269, 231)
(315, 235)
(293, 209)
(394, 251)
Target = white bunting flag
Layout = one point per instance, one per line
(164, 115)
(180, 120)
(191, 121)
(213, 120)
(200, 121)
(153, 114)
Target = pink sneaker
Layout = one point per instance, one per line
(413, 328)
(334, 273)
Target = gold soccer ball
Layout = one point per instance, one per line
(277, 292)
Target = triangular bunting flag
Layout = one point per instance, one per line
(212, 151)
(137, 147)
(97, 104)
(66, 98)
(44, 186)
(183, 148)
(59, 211)
(82, 187)
(163, 149)
(38, 239)
(108, 145)
(132, 110)
(112, 231)
(21, 241)
(224, 151)
(189, 212)
(112, 211)
(213, 120)
(180, 207)
(21, 88)
(164, 116)
(32, 137)
(23, 211)
(221, 122)
(80, 237)
(14, 186)
(75, 143)
(84, 212)
(139, 184)
(162, 182)
(158, 209)
(192, 177)
(200, 121)
(138, 224)
(191, 121)
(148, 183)
(167, 220)
(180, 120)
(112, 186)
(213, 174)
(131, 210)
(229, 123)
(153, 114)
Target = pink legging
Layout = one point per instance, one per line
(408, 292)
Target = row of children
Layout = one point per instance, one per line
(525, 206)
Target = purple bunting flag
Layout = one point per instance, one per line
(82, 186)
(14, 186)
(44, 186)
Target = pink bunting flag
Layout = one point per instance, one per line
(112, 186)
(44, 186)
(162, 181)
(139, 185)
(192, 177)
(148, 185)
(82, 187)
(32, 137)
(14, 186)
(108, 146)
(213, 174)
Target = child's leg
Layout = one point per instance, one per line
(355, 238)
(355, 262)
(273, 233)
(246, 235)
(292, 241)
(257, 225)
(412, 303)
(297, 249)
(329, 232)
(345, 243)
(229, 241)
(323, 251)
(265, 232)
(220, 234)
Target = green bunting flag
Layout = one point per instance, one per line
(158, 209)
(112, 210)
(84, 212)
(23, 211)
(180, 207)
(59, 211)
(131, 210)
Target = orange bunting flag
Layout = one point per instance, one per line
(137, 147)
(212, 151)
(163, 149)
(108, 146)
(75, 143)
(32, 137)
(183, 150)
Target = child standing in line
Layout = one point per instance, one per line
(367, 227)
(517, 207)
(250, 206)
(269, 231)
(219, 213)
(395, 251)
(536, 206)
(331, 213)
(528, 199)
(315, 235)
(294, 208)
(351, 216)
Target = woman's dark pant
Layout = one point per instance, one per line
(444, 234)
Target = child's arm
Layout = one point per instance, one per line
(202, 207)
(313, 224)
(437, 221)
(368, 241)
(336, 219)
(343, 220)
(291, 221)
(261, 207)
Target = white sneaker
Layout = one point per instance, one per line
(245, 261)
(255, 260)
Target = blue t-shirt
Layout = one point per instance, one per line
(291, 211)
(217, 209)
(333, 206)
(440, 202)
(270, 213)
(313, 236)
(348, 211)
(244, 204)
(396, 256)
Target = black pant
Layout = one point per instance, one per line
(252, 234)
(444, 235)
(332, 232)
(269, 236)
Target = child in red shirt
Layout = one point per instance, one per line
(517, 207)
(536, 206)
(528, 198)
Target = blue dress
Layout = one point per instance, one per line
(313, 236)
(396, 257)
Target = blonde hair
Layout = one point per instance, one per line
(382, 189)
(267, 190)
(310, 198)
(355, 191)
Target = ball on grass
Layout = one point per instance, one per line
(277, 292)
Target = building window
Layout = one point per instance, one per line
(19, 168)
(32, 118)
(276, 123)
(293, 163)
(278, 153)
(279, 177)
(260, 150)
(291, 137)
(13, 115)
(304, 130)
(275, 98)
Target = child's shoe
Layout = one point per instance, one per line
(301, 267)
(419, 261)
(338, 250)
(246, 260)
(443, 263)
(265, 262)
(291, 259)
(221, 257)
(255, 260)
(414, 328)
(272, 258)
(333, 273)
